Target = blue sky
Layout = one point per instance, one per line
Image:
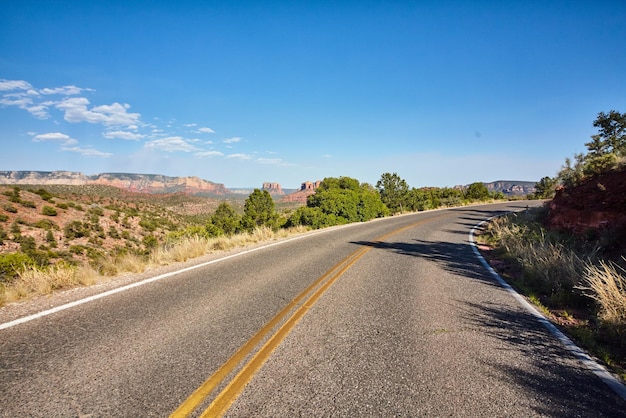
(240, 92)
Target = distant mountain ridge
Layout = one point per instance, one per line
(510, 187)
(140, 183)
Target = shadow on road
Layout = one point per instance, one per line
(456, 258)
(564, 388)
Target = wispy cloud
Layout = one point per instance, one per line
(129, 136)
(239, 156)
(10, 85)
(206, 130)
(172, 144)
(65, 90)
(203, 154)
(87, 152)
(55, 136)
(274, 161)
(232, 140)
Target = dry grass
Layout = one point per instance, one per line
(606, 284)
(544, 260)
(560, 276)
(33, 282)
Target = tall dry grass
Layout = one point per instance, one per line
(34, 282)
(606, 284)
(545, 260)
(556, 267)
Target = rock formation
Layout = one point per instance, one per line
(306, 189)
(599, 203)
(142, 183)
(273, 189)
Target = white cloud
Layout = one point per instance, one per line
(190, 125)
(202, 154)
(55, 136)
(39, 111)
(65, 90)
(8, 85)
(76, 111)
(232, 140)
(206, 130)
(239, 156)
(172, 144)
(21, 100)
(129, 136)
(87, 152)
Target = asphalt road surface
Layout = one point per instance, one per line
(395, 317)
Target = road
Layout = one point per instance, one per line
(394, 317)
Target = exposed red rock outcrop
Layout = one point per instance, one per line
(306, 189)
(273, 189)
(598, 203)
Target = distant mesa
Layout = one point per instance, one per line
(139, 183)
(306, 189)
(274, 189)
(508, 187)
(512, 188)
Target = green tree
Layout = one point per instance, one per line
(612, 128)
(344, 200)
(394, 192)
(259, 210)
(226, 219)
(544, 189)
(477, 191)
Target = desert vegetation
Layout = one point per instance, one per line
(66, 236)
(569, 256)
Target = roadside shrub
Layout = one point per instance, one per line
(75, 229)
(45, 195)
(62, 206)
(46, 224)
(313, 217)
(149, 225)
(9, 208)
(48, 211)
(12, 264)
(150, 241)
(28, 204)
(3, 217)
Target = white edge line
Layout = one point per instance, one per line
(613, 382)
(157, 278)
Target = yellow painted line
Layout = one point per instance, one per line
(226, 398)
(223, 401)
(200, 394)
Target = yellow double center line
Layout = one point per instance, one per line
(229, 394)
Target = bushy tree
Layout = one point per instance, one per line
(259, 210)
(477, 191)
(544, 189)
(342, 200)
(394, 192)
(226, 219)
